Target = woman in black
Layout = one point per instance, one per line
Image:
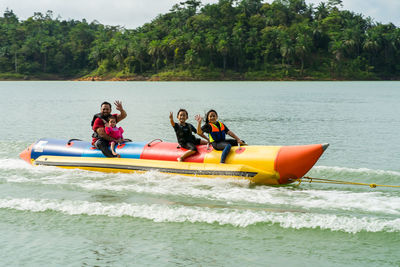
(184, 134)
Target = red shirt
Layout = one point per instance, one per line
(99, 123)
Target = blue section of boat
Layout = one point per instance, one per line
(131, 150)
(127, 150)
(56, 147)
(92, 152)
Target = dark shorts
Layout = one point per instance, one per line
(222, 144)
(191, 145)
(103, 145)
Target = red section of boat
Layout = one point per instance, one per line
(170, 152)
(26, 154)
(293, 162)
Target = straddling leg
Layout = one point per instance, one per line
(186, 155)
(225, 152)
(225, 146)
(191, 150)
(102, 144)
(113, 149)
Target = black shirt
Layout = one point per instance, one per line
(184, 133)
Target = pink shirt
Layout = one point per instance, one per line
(115, 132)
(99, 123)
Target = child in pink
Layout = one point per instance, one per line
(115, 132)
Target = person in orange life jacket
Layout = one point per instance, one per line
(216, 132)
(100, 138)
(183, 131)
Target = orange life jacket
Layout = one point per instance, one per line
(217, 134)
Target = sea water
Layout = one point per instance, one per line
(64, 217)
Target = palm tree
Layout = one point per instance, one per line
(190, 57)
(337, 48)
(322, 11)
(302, 48)
(210, 44)
(154, 51)
(223, 49)
(286, 47)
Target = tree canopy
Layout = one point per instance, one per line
(232, 39)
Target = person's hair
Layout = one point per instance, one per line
(111, 117)
(208, 113)
(105, 103)
(182, 110)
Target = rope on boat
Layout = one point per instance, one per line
(329, 181)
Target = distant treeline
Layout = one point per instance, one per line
(232, 39)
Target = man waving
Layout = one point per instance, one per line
(100, 138)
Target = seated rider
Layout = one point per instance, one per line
(100, 138)
(115, 132)
(184, 134)
(216, 133)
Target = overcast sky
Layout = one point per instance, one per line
(134, 13)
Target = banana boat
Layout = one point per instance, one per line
(267, 165)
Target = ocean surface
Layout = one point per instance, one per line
(56, 217)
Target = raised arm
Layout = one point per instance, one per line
(171, 119)
(198, 118)
(122, 115)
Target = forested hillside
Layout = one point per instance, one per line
(233, 39)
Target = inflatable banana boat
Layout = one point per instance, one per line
(269, 165)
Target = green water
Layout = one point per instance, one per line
(57, 217)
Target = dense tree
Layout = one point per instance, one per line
(281, 39)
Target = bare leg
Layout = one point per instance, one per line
(187, 154)
(113, 149)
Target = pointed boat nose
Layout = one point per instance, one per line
(293, 162)
(325, 146)
(26, 154)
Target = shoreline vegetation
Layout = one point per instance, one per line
(232, 40)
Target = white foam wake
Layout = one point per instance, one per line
(226, 190)
(195, 214)
(234, 191)
(11, 164)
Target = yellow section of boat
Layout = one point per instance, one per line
(259, 157)
(211, 170)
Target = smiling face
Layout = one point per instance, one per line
(182, 116)
(212, 117)
(112, 122)
(105, 110)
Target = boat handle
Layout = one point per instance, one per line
(153, 141)
(73, 139)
